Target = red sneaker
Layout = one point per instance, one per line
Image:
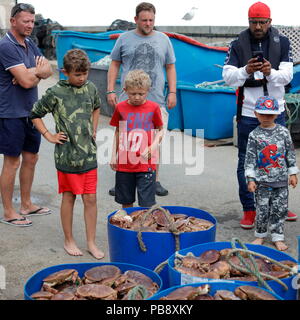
(291, 216)
(248, 221)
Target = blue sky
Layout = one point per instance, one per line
(169, 12)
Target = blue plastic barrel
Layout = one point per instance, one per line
(210, 109)
(175, 120)
(124, 245)
(176, 278)
(34, 283)
(214, 286)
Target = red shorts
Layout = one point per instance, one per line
(77, 183)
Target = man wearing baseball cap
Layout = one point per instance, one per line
(259, 63)
(270, 167)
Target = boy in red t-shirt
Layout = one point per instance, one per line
(139, 130)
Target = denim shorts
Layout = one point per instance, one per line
(127, 183)
(18, 135)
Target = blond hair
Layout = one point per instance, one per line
(137, 79)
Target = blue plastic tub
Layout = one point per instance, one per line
(96, 45)
(194, 60)
(209, 109)
(124, 246)
(176, 278)
(175, 121)
(214, 286)
(35, 282)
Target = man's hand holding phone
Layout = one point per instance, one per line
(258, 63)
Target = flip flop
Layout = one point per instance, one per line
(38, 212)
(11, 222)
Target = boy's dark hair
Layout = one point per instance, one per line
(144, 6)
(76, 60)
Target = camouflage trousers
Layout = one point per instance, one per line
(271, 211)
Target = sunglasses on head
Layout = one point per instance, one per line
(22, 7)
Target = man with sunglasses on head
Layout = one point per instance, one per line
(22, 66)
(259, 63)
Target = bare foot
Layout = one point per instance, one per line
(258, 241)
(280, 245)
(95, 251)
(72, 249)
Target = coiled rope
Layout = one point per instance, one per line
(171, 227)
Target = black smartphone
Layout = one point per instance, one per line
(259, 55)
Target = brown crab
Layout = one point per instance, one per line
(59, 280)
(42, 295)
(105, 274)
(96, 292)
(197, 272)
(288, 263)
(222, 268)
(131, 279)
(121, 219)
(162, 218)
(225, 295)
(192, 262)
(209, 256)
(63, 296)
(187, 293)
(253, 293)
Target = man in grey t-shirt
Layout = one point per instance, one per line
(151, 51)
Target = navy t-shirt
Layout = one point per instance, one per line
(16, 101)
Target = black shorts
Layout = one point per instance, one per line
(17, 135)
(128, 182)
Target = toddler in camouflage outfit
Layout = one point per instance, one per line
(75, 106)
(270, 166)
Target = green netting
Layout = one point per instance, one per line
(293, 105)
(215, 85)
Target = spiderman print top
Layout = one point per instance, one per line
(270, 156)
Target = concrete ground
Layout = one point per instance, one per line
(24, 251)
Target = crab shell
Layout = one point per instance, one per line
(184, 293)
(222, 268)
(96, 292)
(289, 263)
(161, 218)
(253, 293)
(58, 278)
(191, 262)
(198, 273)
(225, 295)
(63, 296)
(187, 293)
(121, 219)
(140, 279)
(210, 256)
(42, 295)
(106, 274)
(200, 224)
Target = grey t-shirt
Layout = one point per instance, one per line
(149, 53)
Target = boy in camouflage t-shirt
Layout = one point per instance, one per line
(74, 104)
(270, 166)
